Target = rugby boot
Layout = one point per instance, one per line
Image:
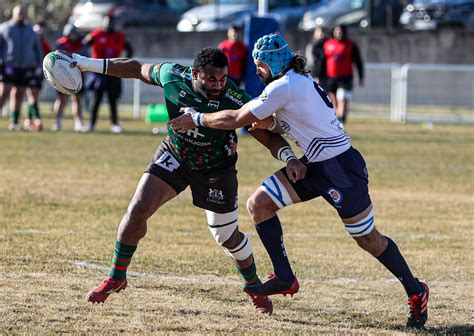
(38, 126)
(108, 286)
(418, 303)
(274, 286)
(261, 304)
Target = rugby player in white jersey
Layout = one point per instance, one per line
(294, 104)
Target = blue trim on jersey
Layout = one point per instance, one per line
(341, 143)
(317, 145)
(327, 139)
(278, 196)
(199, 119)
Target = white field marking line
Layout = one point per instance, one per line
(193, 278)
(223, 281)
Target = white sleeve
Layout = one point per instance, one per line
(273, 98)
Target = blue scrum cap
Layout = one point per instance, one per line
(273, 50)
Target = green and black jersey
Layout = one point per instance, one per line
(201, 149)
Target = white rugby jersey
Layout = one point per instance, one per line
(304, 112)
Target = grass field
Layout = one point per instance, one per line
(62, 196)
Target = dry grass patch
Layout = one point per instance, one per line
(62, 196)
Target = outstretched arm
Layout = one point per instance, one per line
(118, 67)
(232, 119)
(225, 119)
(229, 119)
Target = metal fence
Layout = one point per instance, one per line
(404, 93)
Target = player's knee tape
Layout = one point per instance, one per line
(273, 187)
(241, 251)
(362, 227)
(222, 225)
(343, 94)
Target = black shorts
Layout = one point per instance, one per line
(19, 76)
(334, 83)
(342, 181)
(216, 191)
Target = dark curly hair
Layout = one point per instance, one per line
(298, 64)
(212, 56)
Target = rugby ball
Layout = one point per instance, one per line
(60, 75)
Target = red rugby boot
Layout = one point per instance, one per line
(418, 303)
(274, 286)
(108, 286)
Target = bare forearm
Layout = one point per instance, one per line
(273, 142)
(124, 68)
(118, 67)
(226, 120)
(276, 143)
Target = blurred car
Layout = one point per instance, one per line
(88, 14)
(219, 17)
(352, 13)
(433, 14)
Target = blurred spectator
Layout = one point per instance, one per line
(341, 53)
(106, 42)
(20, 69)
(236, 52)
(33, 91)
(316, 58)
(70, 41)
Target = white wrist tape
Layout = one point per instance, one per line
(197, 116)
(273, 125)
(91, 64)
(285, 154)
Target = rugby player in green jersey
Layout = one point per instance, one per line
(201, 158)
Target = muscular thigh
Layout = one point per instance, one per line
(151, 193)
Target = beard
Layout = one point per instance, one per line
(266, 80)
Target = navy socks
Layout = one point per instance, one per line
(393, 260)
(271, 235)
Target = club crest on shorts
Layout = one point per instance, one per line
(336, 195)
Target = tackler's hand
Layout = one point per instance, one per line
(296, 170)
(184, 122)
(262, 124)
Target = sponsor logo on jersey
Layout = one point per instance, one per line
(336, 195)
(182, 94)
(232, 146)
(215, 196)
(263, 96)
(235, 96)
(285, 126)
(193, 132)
(197, 99)
(176, 72)
(213, 104)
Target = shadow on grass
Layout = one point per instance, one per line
(466, 329)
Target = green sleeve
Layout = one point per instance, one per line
(162, 74)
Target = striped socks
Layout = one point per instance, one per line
(121, 259)
(250, 275)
